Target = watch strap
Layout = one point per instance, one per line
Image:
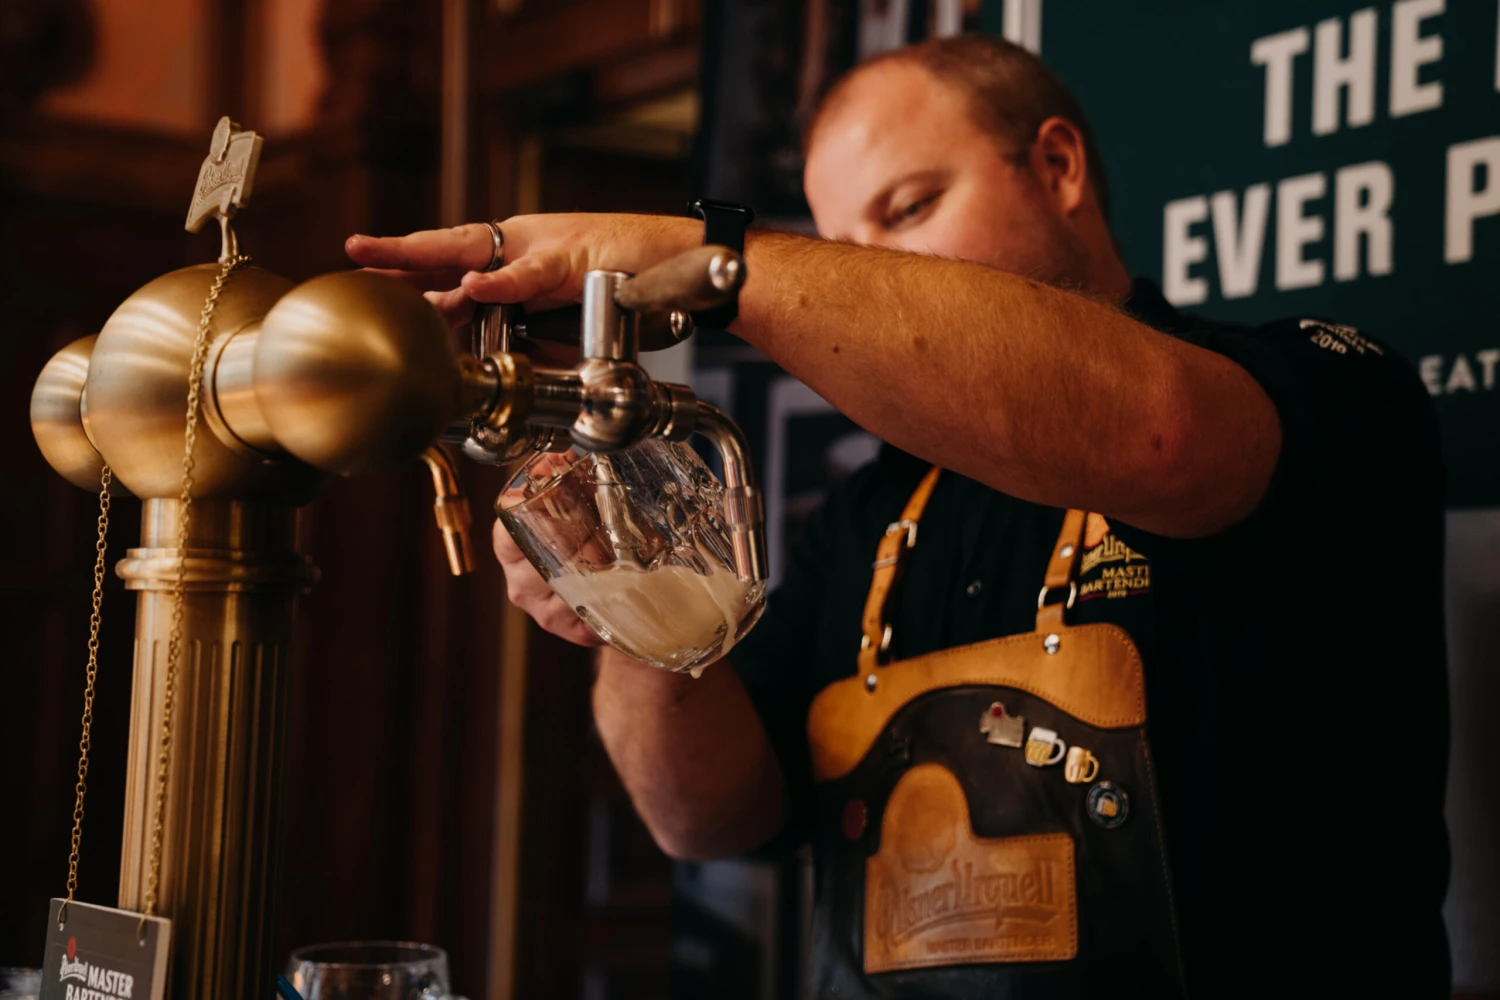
(724, 224)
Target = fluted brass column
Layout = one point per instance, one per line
(221, 849)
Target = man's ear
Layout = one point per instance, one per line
(1060, 160)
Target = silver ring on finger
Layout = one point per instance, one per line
(497, 254)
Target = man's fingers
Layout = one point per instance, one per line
(563, 621)
(523, 584)
(423, 281)
(454, 306)
(527, 590)
(466, 248)
(530, 594)
(536, 276)
(506, 549)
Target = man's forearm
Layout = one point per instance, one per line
(692, 754)
(1035, 391)
(1043, 394)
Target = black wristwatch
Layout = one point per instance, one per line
(724, 223)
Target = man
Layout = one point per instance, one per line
(994, 816)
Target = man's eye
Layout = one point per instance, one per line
(910, 212)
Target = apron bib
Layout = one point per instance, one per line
(989, 815)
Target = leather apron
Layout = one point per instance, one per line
(964, 852)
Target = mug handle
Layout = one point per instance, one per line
(1062, 751)
(1093, 769)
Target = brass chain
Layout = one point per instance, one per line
(184, 518)
(100, 547)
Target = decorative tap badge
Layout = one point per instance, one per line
(226, 177)
(101, 953)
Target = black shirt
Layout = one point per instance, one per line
(1295, 664)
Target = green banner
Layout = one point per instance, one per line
(1295, 157)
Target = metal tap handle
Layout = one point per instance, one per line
(495, 329)
(657, 331)
(663, 296)
(702, 278)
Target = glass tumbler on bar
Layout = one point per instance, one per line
(636, 542)
(369, 970)
(20, 984)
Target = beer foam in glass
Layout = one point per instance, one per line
(635, 541)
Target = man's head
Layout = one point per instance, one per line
(966, 148)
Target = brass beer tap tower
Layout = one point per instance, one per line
(347, 373)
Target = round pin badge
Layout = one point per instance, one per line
(1108, 805)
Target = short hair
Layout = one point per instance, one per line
(1011, 93)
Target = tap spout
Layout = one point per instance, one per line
(451, 507)
(743, 510)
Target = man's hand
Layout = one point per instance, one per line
(523, 584)
(533, 595)
(546, 257)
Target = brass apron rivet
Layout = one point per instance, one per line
(1066, 552)
(870, 683)
(1052, 643)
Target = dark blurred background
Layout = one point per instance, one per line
(445, 783)
(396, 753)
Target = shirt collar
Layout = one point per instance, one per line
(1147, 304)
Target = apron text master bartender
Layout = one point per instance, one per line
(1144, 693)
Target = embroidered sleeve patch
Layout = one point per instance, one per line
(1109, 567)
(1338, 338)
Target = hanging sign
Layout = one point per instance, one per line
(100, 953)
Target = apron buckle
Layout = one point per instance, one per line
(907, 525)
(1041, 599)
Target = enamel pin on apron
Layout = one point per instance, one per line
(1001, 728)
(1081, 767)
(1107, 804)
(1044, 747)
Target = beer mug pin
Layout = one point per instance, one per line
(1081, 766)
(1001, 728)
(1044, 747)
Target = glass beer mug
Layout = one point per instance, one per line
(635, 541)
(370, 970)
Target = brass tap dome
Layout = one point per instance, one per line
(133, 407)
(356, 372)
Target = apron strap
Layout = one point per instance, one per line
(1060, 572)
(896, 545)
(890, 560)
